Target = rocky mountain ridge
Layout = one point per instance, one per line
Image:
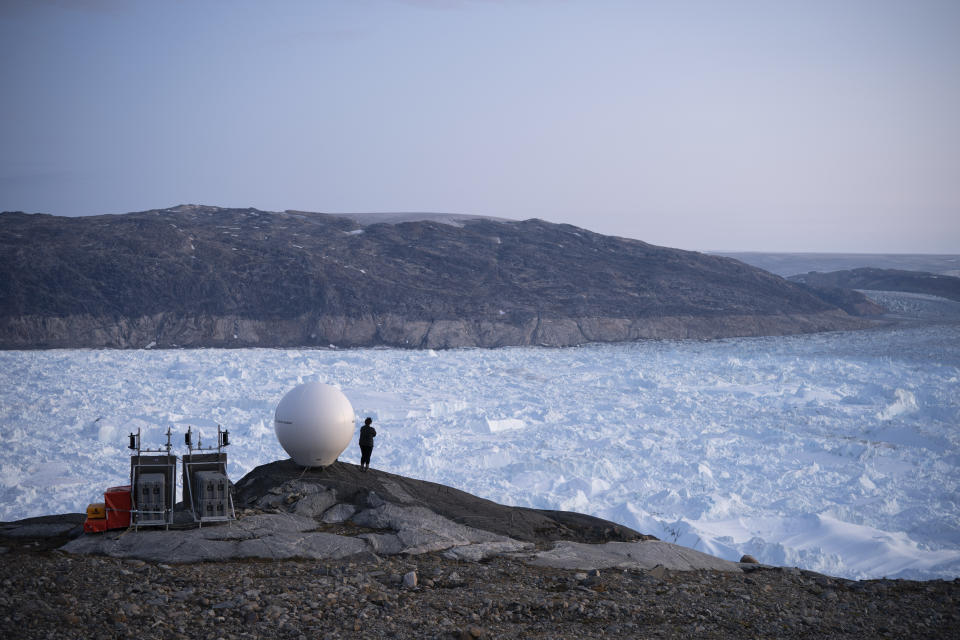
(198, 276)
(933, 284)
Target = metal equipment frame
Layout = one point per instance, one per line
(193, 462)
(140, 464)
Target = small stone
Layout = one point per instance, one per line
(273, 612)
(657, 572)
(748, 559)
(580, 576)
(410, 579)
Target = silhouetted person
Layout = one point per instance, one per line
(367, 434)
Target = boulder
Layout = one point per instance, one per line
(338, 513)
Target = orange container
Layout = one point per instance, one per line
(117, 500)
(95, 525)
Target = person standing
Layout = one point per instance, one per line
(367, 434)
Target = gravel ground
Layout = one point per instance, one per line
(45, 593)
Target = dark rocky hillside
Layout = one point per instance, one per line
(850, 300)
(885, 280)
(194, 276)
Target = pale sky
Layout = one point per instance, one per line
(808, 125)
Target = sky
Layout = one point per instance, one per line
(809, 125)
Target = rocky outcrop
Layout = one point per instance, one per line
(208, 277)
(285, 485)
(272, 536)
(287, 512)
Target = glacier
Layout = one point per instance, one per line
(836, 452)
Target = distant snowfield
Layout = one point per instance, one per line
(833, 452)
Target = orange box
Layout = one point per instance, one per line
(117, 500)
(95, 525)
(96, 511)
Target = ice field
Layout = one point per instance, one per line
(833, 452)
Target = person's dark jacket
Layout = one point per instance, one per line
(367, 434)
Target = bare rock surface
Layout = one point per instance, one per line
(52, 526)
(271, 485)
(286, 511)
(266, 536)
(417, 530)
(338, 513)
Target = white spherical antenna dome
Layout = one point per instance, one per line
(314, 424)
